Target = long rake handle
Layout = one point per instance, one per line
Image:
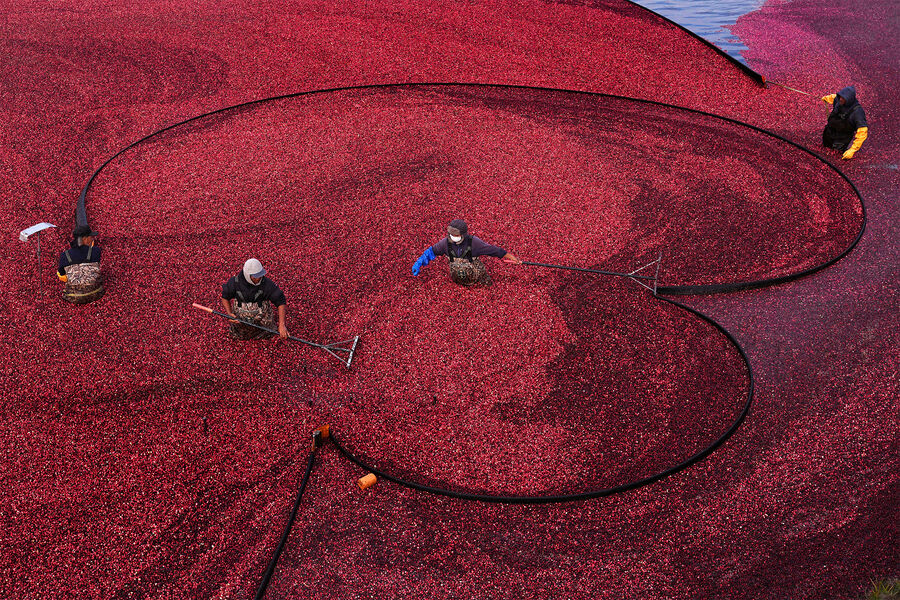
(230, 318)
(537, 264)
(791, 89)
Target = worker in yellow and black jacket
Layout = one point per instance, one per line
(847, 128)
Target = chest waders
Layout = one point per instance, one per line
(466, 255)
(255, 309)
(256, 298)
(839, 131)
(466, 269)
(83, 281)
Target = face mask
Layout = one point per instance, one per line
(456, 239)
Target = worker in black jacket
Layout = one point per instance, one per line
(250, 296)
(79, 267)
(847, 127)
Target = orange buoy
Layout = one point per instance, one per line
(367, 481)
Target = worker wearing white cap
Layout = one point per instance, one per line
(250, 296)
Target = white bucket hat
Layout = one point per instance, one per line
(253, 268)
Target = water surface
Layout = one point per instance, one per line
(708, 19)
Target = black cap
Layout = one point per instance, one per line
(84, 231)
(460, 226)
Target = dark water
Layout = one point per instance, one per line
(707, 18)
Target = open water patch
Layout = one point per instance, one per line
(710, 19)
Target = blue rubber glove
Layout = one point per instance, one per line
(423, 260)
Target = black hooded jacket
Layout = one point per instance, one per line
(847, 117)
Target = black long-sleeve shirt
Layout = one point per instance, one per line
(77, 255)
(479, 248)
(238, 288)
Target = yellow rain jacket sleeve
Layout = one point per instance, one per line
(829, 99)
(861, 134)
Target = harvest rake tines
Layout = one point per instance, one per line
(635, 275)
(333, 348)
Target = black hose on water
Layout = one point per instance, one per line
(261, 590)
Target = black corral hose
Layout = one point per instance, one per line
(81, 209)
(270, 569)
(549, 499)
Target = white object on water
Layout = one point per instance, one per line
(27, 233)
(35, 230)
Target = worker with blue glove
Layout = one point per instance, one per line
(462, 251)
